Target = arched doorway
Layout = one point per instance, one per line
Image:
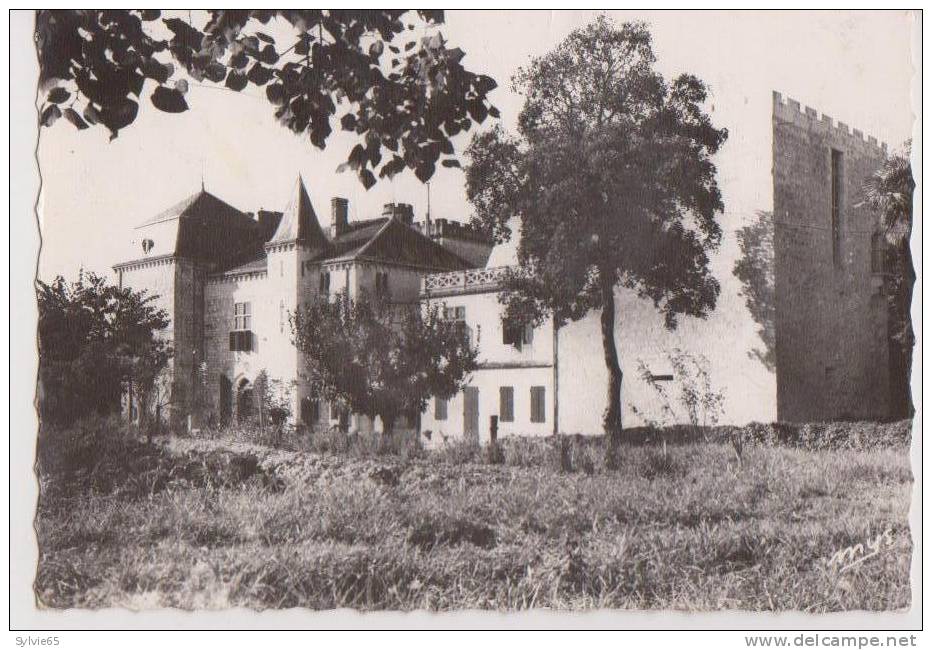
(245, 401)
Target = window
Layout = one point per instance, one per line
(334, 411)
(241, 337)
(517, 334)
(440, 409)
(538, 404)
(836, 206)
(325, 283)
(878, 253)
(458, 316)
(281, 315)
(506, 404)
(381, 283)
(454, 313)
(242, 316)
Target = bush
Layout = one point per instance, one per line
(580, 453)
(95, 454)
(459, 452)
(827, 435)
(658, 464)
(810, 435)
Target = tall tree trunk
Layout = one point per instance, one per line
(611, 421)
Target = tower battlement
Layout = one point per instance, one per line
(790, 110)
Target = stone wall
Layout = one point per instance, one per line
(267, 326)
(157, 276)
(831, 344)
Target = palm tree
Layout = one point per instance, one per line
(889, 193)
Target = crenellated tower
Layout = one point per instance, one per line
(833, 352)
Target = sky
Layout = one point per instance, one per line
(854, 66)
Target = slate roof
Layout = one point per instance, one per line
(230, 242)
(395, 242)
(209, 230)
(354, 237)
(299, 221)
(198, 205)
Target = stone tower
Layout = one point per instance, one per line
(175, 251)
(292, 280)
(833, 352)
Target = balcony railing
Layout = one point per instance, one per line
(469, 281)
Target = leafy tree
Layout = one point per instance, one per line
(612, 179)
(273, 400)
(404, 96)
(889, 192)
(93, 339)
(755, 271)
(376, 358)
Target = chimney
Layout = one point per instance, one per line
(388, 210)
(268, 223)
(404, 212)
(339, 216)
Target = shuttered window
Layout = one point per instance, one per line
(240, 341)
(440, 409)
(506, 405)
(538, 404)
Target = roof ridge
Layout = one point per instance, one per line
(378, 233)
(181, 208)
(361, 252)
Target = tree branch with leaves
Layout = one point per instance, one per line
(611, 176)
(403, 95)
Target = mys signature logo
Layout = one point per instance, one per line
(850, 557)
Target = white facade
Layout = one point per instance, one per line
(516, 369)
(543, 385)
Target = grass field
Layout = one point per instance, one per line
(704, 526)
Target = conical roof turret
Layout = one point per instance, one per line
(299, 221)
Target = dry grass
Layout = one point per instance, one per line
(700, 527)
